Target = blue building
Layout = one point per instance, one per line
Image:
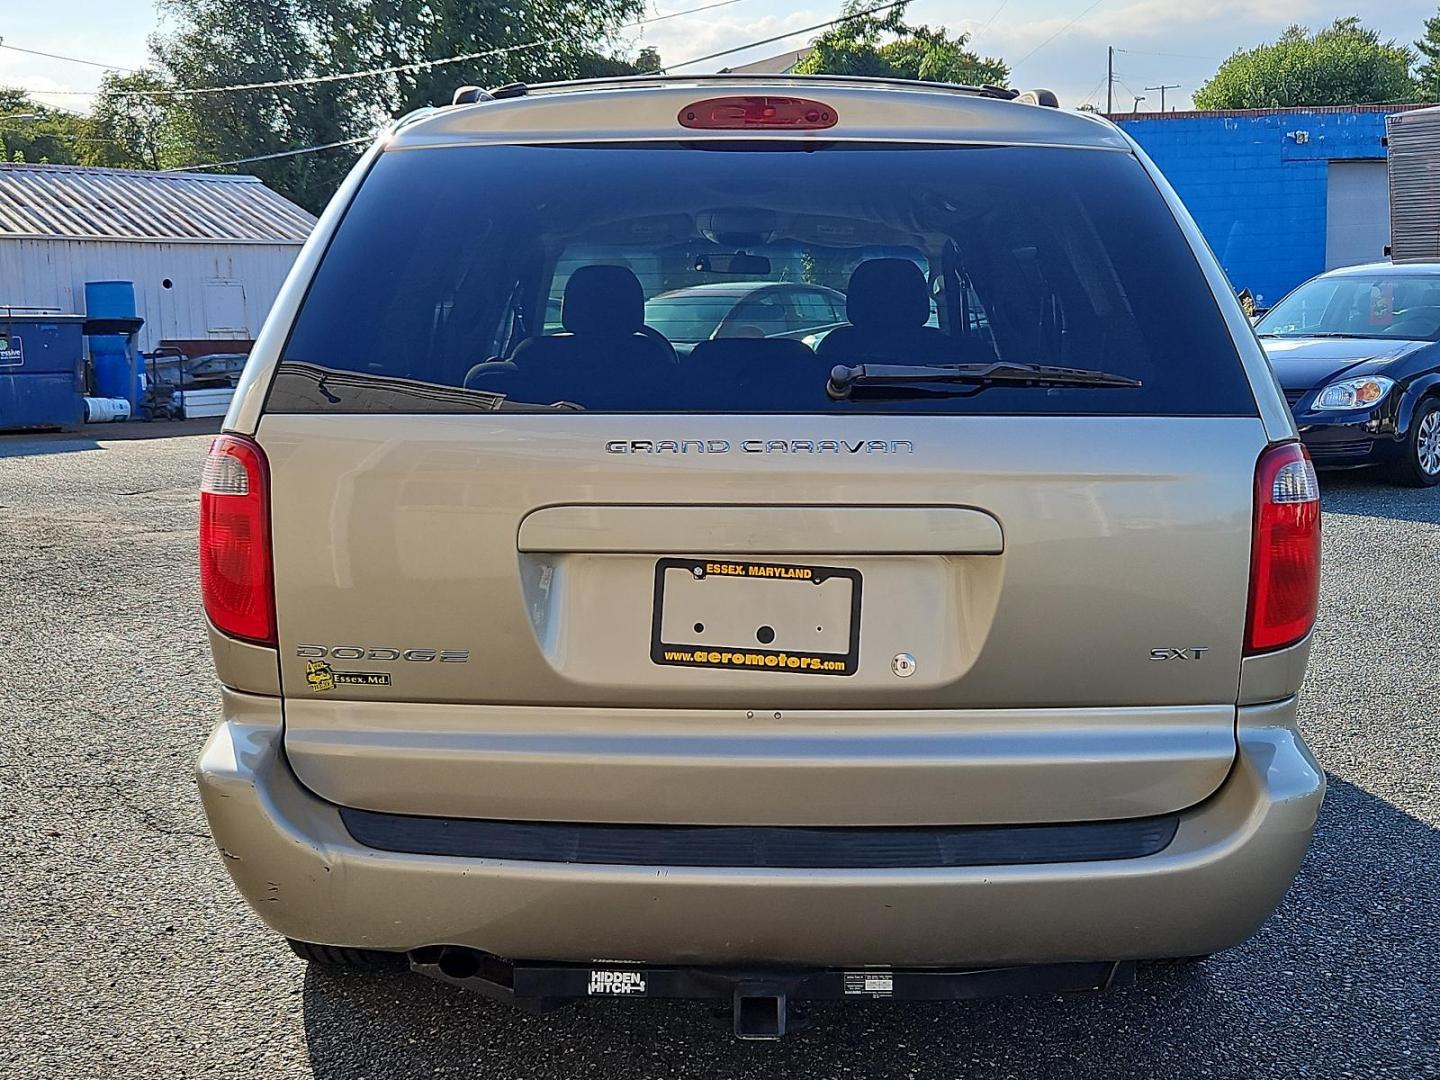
(1281, 194)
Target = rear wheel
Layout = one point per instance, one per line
(1419, 464)
(338, 957)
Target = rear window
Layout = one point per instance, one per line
(732, 278)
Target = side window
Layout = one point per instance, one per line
(812, 311)
(766, 312)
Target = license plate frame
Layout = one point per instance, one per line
(755, 656)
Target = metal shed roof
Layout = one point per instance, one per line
(69, 202)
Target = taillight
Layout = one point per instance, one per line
(1285, 564)
(236, 579)
(745, 113)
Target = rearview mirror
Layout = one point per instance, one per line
(738, 263)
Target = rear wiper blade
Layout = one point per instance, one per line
(843, 378)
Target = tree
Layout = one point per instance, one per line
(886, 46)
(151, 120)
(37, 133)
(1344, 64)
(1429, 71)
(137, 124)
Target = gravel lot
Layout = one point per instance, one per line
(128, 953)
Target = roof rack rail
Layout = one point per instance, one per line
(619, 81)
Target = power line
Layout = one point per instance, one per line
(986, 24)
(352, 142)
(1177, 56)
(677, 14)
(1057, 33)
(789, 34)
(272, 157)
(1093, 91)
(396, 69)
(69, 59)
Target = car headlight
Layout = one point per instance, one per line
(1354, 393)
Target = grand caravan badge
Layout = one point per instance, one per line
(855, 447)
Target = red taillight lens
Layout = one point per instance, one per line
(1285, 564)
(235, 564)
(743, 113)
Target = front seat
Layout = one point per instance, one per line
(888, 305)
(604, 359)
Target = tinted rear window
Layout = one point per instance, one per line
(732, 277)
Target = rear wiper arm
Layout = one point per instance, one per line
(843, 378)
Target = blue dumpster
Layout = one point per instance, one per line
(41, 371)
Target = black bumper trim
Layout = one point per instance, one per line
(869, 847)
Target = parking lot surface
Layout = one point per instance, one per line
(127, 953)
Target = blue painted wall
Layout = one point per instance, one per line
(1256, 182)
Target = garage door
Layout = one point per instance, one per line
(1357, 213)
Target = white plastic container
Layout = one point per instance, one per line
(104, 410)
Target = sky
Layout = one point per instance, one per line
(1057, 44)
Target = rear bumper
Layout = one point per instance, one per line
(1231, 861)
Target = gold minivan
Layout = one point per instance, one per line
(759, 538)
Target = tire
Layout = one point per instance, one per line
(1419, 464)
(340, 958)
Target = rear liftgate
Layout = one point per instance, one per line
(759, 998)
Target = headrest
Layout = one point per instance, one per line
(603, 300)
(888, 293)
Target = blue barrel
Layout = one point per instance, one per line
(109, 299)
(110, 358)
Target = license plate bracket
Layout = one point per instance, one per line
(752, 615)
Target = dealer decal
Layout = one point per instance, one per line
(322, 677)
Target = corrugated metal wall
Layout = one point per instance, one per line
(1415, 186)
(213, 286)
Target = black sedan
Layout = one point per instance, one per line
(1357, 352)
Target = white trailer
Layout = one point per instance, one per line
(207, 253)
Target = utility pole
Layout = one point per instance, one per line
(1110, 81)
(1162, 88)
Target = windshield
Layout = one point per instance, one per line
(731, 277)
(1405, 306)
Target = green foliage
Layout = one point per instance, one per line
(142, 132)
(1428, 74)
(1344, 64)
(228, 42)
(885, 46)
(38, 134)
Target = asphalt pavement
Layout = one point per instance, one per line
(124, 952)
